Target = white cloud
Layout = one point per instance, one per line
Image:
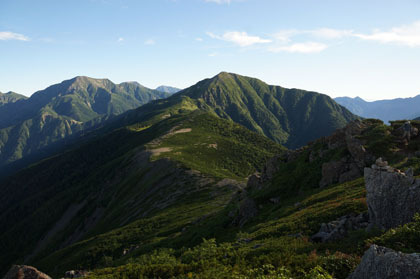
(329, 33)
(213, 54)
(120, 39)
(408, 35)
(240, 38)
(307, 47)
(5, 36)
(150, 42)
(199, 39)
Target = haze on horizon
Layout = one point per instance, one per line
(360, 48)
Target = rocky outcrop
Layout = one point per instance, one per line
(339, 171)
(25, 272)
(338, 229)
(257, 180)
(344, 141)
(246, 209)
(348, 167)
(392, 196)
(383, 263)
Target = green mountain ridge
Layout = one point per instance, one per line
(291, 117)
(63, 110)
(10, 97)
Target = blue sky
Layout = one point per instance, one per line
(341, 48)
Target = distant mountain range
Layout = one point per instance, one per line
(168, 89)
(291, 117)
(386, 110)
(28, 125)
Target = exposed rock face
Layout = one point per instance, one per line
(338, 229)
(257, 180)
(392, 196)
(25, 272)
(383, 263)
(351, 166)
(247, 210)
(339, 171)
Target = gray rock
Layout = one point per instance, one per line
(383, 263)
(75, 274)
(331, 172)
(247, 210)
(25, 272)
(338, 229)
(392, 197)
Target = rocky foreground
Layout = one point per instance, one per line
(392, 196)
(25, 272)
(382, 263)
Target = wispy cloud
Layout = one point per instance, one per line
(6, 36)
(199, 39)
(120, 39)
(239, 38)
(150, 42)
(317, 40)
(307, 47)
(407, 35)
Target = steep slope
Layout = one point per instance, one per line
(10, 97)
(291, 117)
(62, 110)
(126, 179)
(168, 89)
(386, 110)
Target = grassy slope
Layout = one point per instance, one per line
(112, 174)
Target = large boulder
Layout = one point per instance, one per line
(384, 263)
(25, 272)
(339, 171)
(392, 196)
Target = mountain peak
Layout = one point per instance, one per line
(84, 81)
(224, 76)
(167, 89)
